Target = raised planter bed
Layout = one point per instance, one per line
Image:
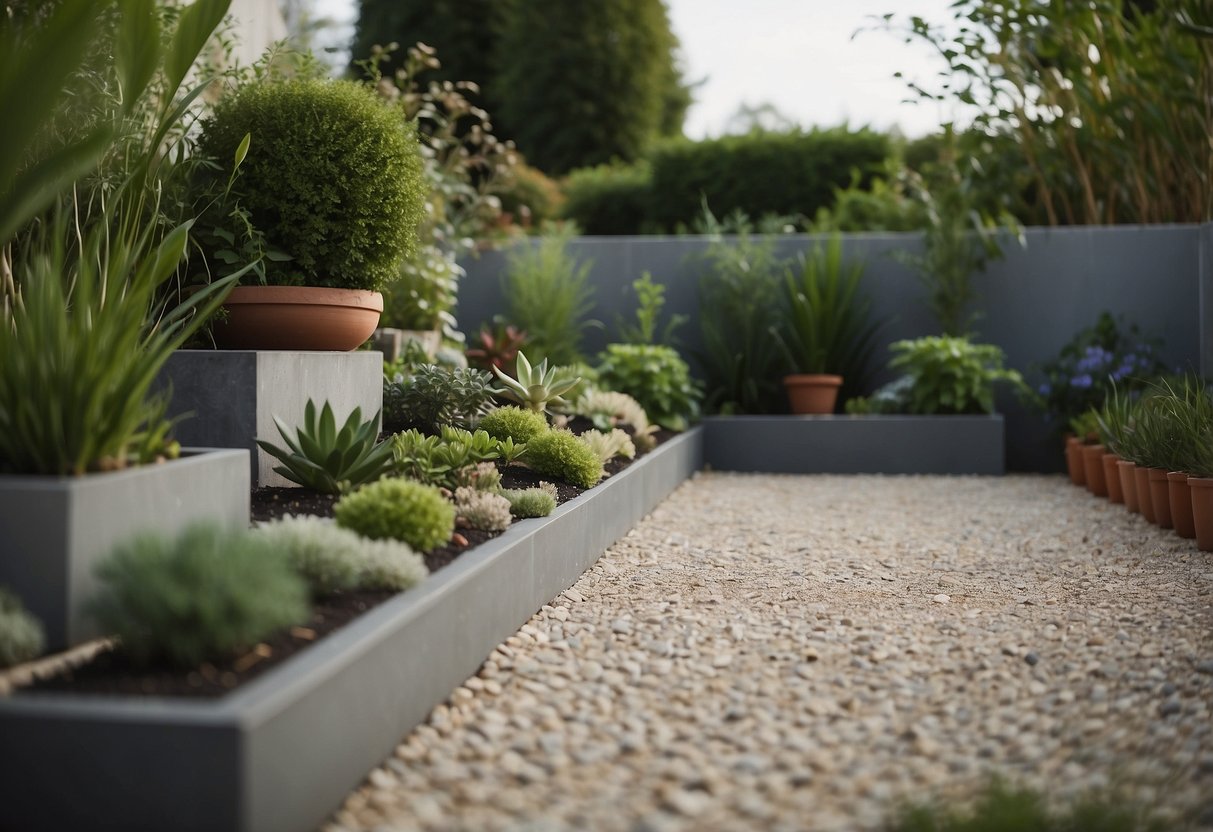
(234, 395)
(856, 444)
(282, 752)
(54, 530)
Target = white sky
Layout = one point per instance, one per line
(796, 54)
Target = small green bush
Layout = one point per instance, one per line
(761, 172)
(528, 196)
(398, 509)
(434, 396)
(655, 376)
(511, 422)
(333, 178)
(561, 455)
(531, 502)
(21, 636)
(951, 375)
(323, 554)
(201, 596)
(390, 565)
(608, 199)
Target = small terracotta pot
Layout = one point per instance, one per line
(1092, 463)
(1111, 478)
(1145, 502)
(1201, 491)
(1128, 484)
(1078, 473)
(297, 318)
(1180, 504)
(1160, 497)
(812, 393)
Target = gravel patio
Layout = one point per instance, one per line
(790, 652)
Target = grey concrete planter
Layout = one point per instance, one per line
(234, 395)
(855, 444)
(54, 530)
(281, 752)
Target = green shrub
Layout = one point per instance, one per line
(434, 396)
(608, 199)
(655, 376)
(879, 206)
(332, 178)
(760, 173)
(331, 558)
(325, 459)
(561, 455)
(201, 596)
(531, 502)
(548, 294)
(21, 636)
(398, 509)
(517, 423)
(951, 375)
(529, 196)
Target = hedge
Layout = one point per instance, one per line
(608, 199)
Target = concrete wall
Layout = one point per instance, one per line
(1032, 301)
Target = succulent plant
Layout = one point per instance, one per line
(434, 396)
(438, 460)
(482, 510)
(398, 509)
(325, 459)
(607, 446)
(483, 476)
(536, 388)
(21, 636)
(608, 409)
(561, 455)
(531, 502)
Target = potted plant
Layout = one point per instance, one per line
(333, 180)
(1116, 418)
(826, 330)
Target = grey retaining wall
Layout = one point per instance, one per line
(1032, 301)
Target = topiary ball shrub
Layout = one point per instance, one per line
(333, 178)
(21, 636)
(511, 422)
(398, 509)
(204, 595)
(561, 455)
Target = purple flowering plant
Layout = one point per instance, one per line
(1084, 372)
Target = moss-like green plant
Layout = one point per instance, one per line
(398, 509)
(561, 455)
(323, 554)
(531, 502)
(482, 510)
(511, 422)
(21, 636)
(607, 446)
(201, 596)
(390, 565)
(332, 178)
(329, 460)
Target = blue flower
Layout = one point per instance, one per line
(1082, 382)
(1045, 389)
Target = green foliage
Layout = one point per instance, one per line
(483, 476)
(1171, 427)
(441, 460)
(434, 396)
(584, 83)
(1001, 808)
(1114, 420)
(323, 458)
(21, 636)
(561, 455)
(1086, 425)
(650, 298)
(951, 375)
(548, 294)
(608, 409)
(793, 173)
(881, 205)
(655, 376)
(332, 177)
(516, 423)
(739, 296)
(1091, 363)
(528, 196)
(202, 596)
(398, 509)
(609, 199)
(827, 325)
(483, 510)
(608, 445)
(531, 502)
(535, 388)
(331, 558)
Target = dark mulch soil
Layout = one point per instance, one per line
(111, 673)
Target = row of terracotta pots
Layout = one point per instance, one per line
(1169, 499)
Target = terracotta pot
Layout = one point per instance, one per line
(1128, 484)
(1111, 478)
(809, 393)
(1092, 463)
(1201, 491)
(1145, 502)
(1078, 474)
(297, 318)
(1160, 497)
(1180, 504)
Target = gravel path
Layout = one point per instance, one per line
(768, 652)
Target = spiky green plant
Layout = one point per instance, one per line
(536, 388)
(329, 460)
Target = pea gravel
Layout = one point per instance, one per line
(774, 652)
